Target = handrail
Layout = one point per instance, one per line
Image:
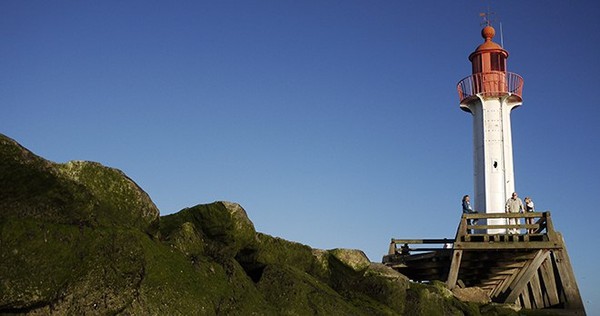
(407, 248)
(493, 83)
(543, 225)
(505, 215)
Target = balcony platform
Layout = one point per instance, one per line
(530, 268)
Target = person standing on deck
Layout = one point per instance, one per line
(514, 205)
(529, 208)
(466, 205)
(467, 209)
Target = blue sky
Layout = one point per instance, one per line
(333, 123)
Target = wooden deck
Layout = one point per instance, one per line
(530, 268)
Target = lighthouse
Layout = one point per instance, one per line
(490, 94)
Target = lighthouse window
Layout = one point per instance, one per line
(495, 165)
(476, 62)
(497, 60)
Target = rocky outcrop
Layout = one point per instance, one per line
(82, 238)
(471, 294)
(83, 193)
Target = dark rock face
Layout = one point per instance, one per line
(83, 193)
(81, 238)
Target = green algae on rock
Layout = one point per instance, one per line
(82, 193)
(82, 238)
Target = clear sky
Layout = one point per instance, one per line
(333, 123)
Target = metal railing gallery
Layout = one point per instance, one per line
(493, 83)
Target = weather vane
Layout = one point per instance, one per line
(488, 16)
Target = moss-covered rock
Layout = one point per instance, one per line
(471, 294)
(352, 258)
(376, 289)
(119, 200)
(187, 240)
(81, 193)
(436, 299)
(269, 250)
(81, 238)
(293, 292)
(67, 268)
(32, 188)
(224, 227)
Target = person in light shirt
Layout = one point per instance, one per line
(514, 205)
(529, 208)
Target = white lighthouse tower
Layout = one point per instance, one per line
(490, 94)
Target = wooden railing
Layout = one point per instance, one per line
(411, 246)
(493, 231)
(528, 223)
(493, 83)
(531, 227)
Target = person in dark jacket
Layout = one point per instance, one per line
(467, 209)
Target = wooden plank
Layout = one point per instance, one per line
(522, 257)
(505, 215)
(454, 268)
(521, 283)
(521, 261)
(507, 245)
(425, 265)
(498, 277)
(490, 282)
(536, 290)
(501, 271)
(542, 223)
(547, 270)
(429, 249)
(420, 256)
(502, 290)
(523, 226)
(461, 231)
(525, 297)
(423, 241)
(567, 278)
(512, 264)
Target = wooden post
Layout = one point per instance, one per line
(454, 267)
(567, 278)
(520, 282)
(550, 282)
(536, 290)
(462, 229)
(392, 249)
(525, 297)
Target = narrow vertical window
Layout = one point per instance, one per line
(476, 63)
(497, 61)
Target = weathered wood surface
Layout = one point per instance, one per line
(454, 269)
(530, 268)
